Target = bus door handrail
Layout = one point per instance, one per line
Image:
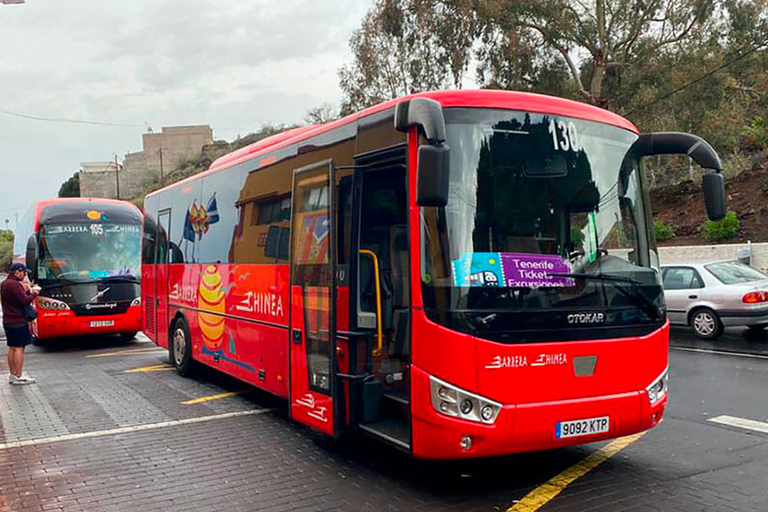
(377, 280)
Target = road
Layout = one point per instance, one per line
(109, 426)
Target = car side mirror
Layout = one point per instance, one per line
(31, 256)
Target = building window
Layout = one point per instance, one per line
(272, 211)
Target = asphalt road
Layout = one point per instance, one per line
(110, 427)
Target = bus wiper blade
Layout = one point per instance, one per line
(127, 279)
(595, 277)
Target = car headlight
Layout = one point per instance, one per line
(136, 301)
(658, 389)
(453, 401)
(52, 304)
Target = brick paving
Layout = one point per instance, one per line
(266, 462)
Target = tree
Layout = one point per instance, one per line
(407, 46)
(71, 187)
(6, 248)
(325, 113)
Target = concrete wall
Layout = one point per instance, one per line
(709, 253)
(176, 143)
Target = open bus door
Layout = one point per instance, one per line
(161, 278)
(313, 299)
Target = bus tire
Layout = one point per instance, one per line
(706, 324)
(127, 336)
(180, 349)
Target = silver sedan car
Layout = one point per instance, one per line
(712, 296)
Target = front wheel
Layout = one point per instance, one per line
(706, 324)
(127, 336)
(180, 349)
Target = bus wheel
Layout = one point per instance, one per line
(180, 349)
(706, 324)
(127, 336)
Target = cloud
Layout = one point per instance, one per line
(233, 65)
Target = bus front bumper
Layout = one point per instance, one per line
(56, 324)
(524, 427)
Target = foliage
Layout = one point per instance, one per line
(71, 187)
(325, 113)
(728, 227)
(663, 230)
(757, 131)
(6, 248)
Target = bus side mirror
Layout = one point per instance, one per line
(433, 176)
(31, 257)
(676, 143)
(714, 195)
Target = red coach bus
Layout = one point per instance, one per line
(85, 255)
(458, 273)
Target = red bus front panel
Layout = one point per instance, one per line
(55, 324)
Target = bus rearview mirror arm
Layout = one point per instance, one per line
(676, 143)
(433, 170)
(31, 257)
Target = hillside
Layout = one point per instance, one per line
(682, 206)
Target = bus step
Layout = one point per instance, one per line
(393, 430)
(401, 396)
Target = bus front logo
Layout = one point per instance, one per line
(586, 318)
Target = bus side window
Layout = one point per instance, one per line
(150, 239)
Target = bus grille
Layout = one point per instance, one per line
(149, 313)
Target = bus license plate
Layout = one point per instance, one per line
(102, 323)
(585, 427)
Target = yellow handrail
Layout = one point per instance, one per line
(379, 344)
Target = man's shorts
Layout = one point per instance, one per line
(17, 335)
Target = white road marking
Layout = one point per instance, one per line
(128, 430)
(719, 352)
(757, 426)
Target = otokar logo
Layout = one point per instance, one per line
(586, 318)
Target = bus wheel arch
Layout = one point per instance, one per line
(180, 346)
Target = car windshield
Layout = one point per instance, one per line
(546, 218)
(733, 272)
(80, 252)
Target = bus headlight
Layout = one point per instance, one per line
(453, 401)
(136, 301)
(51, 304)
(658, 389)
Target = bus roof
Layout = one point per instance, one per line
(79, 201)
(478, 98)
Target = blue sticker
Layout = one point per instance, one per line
(97, 274)
(478, 269)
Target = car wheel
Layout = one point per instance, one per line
(706, 324)
(180, 349)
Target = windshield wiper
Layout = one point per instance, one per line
(595, 277)
(635, 295)
(120, 279)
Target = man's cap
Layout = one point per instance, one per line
(19, 266)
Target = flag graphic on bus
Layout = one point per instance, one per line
(197, 222)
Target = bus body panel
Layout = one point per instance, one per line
(57, 324)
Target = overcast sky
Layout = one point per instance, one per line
(232, 65)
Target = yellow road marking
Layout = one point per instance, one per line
(212, 397)
(544, 493)
(155, 368)
(127, 352)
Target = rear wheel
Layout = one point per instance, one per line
(180, 348)
(706, 324)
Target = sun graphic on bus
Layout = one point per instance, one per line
(211, 303)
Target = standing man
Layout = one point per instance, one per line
(16, 293)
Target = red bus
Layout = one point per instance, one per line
(85, 255)
(458, 273)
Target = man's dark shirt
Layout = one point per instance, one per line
(14, 299)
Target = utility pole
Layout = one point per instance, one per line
(162, 178)
(117, 176)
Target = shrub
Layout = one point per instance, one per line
(663, 230)
(728, 227)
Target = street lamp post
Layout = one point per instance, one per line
(117, 177)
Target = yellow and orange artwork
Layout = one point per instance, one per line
(212, 307)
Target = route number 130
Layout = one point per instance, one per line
(564, 135)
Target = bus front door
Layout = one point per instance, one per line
(161, 278)
(313, 299)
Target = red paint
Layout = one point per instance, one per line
(56, 324)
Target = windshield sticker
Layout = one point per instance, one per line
(511, 270)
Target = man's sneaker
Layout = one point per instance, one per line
(24, 379)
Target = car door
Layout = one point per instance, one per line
(682, 287)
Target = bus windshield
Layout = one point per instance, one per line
(80, 252)
(545, 234)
